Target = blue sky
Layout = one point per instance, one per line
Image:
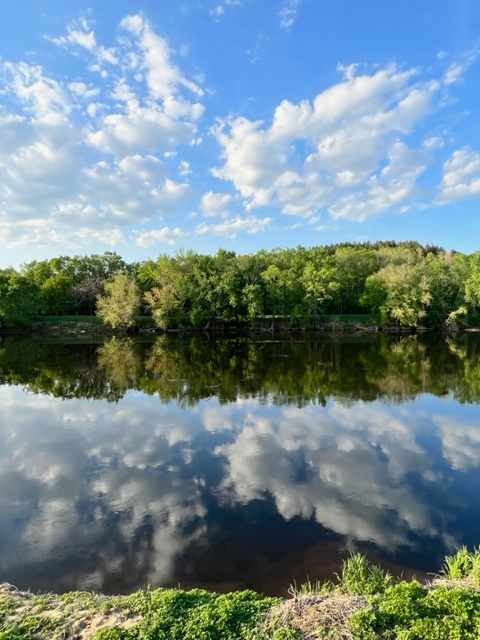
(149, 127)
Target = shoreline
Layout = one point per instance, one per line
(86, 326)
(364, 603)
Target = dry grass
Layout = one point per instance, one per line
(450, 583)
(320, 616)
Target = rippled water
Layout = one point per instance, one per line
(234, 463)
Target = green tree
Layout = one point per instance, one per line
(120, 303)
(19, 298)
(398, 294)
(166, 300)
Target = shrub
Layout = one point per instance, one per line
(408, 611)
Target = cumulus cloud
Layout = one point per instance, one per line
(76, 172)
(163, 77)
(165, 235)
(214, 204)
(348, 143)
(67, 142)
(461, 176)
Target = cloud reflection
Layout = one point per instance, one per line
(93, 491)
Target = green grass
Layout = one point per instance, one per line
(360, 577)
(464, 564)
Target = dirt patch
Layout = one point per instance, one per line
(74, 620)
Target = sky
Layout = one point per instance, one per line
(156, 126)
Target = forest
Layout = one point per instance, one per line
(387, 283)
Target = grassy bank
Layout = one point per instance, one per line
(364, 603)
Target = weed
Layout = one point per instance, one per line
(459, 565)
(360, 577)
(310, 588)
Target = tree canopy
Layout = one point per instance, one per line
(397, 283)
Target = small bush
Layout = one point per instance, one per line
(408, 611)
(360, 577)
(172, 614)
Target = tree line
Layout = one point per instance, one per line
(401, 283)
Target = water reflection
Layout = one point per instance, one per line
(231, 463)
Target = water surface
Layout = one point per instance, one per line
(234, 463)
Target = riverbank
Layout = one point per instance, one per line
(82, 326)
(364, 604)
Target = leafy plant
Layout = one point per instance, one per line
(409, 611)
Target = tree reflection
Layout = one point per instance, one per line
(122, 363)
(296, 372)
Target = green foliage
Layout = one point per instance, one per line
(29, 627)
(360, 577)
(172, 614)
(120, 303)
(408, 611)
(19, 299)
(399, 283)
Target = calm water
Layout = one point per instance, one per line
(234, 463)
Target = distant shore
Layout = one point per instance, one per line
(82, 326)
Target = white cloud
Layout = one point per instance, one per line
(461, 176)
(165, 235)
(324, 154)
(140, 128)
(288, 13)
(76, 171)
(83, 90)
(214, 204)
(231, 227)
(163, 77)
(41, 95)
(184, 168)
(219, 10)
(80, 35)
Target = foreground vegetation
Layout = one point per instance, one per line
(402, 284)
(364, 603)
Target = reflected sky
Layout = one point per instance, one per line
(226, 494)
